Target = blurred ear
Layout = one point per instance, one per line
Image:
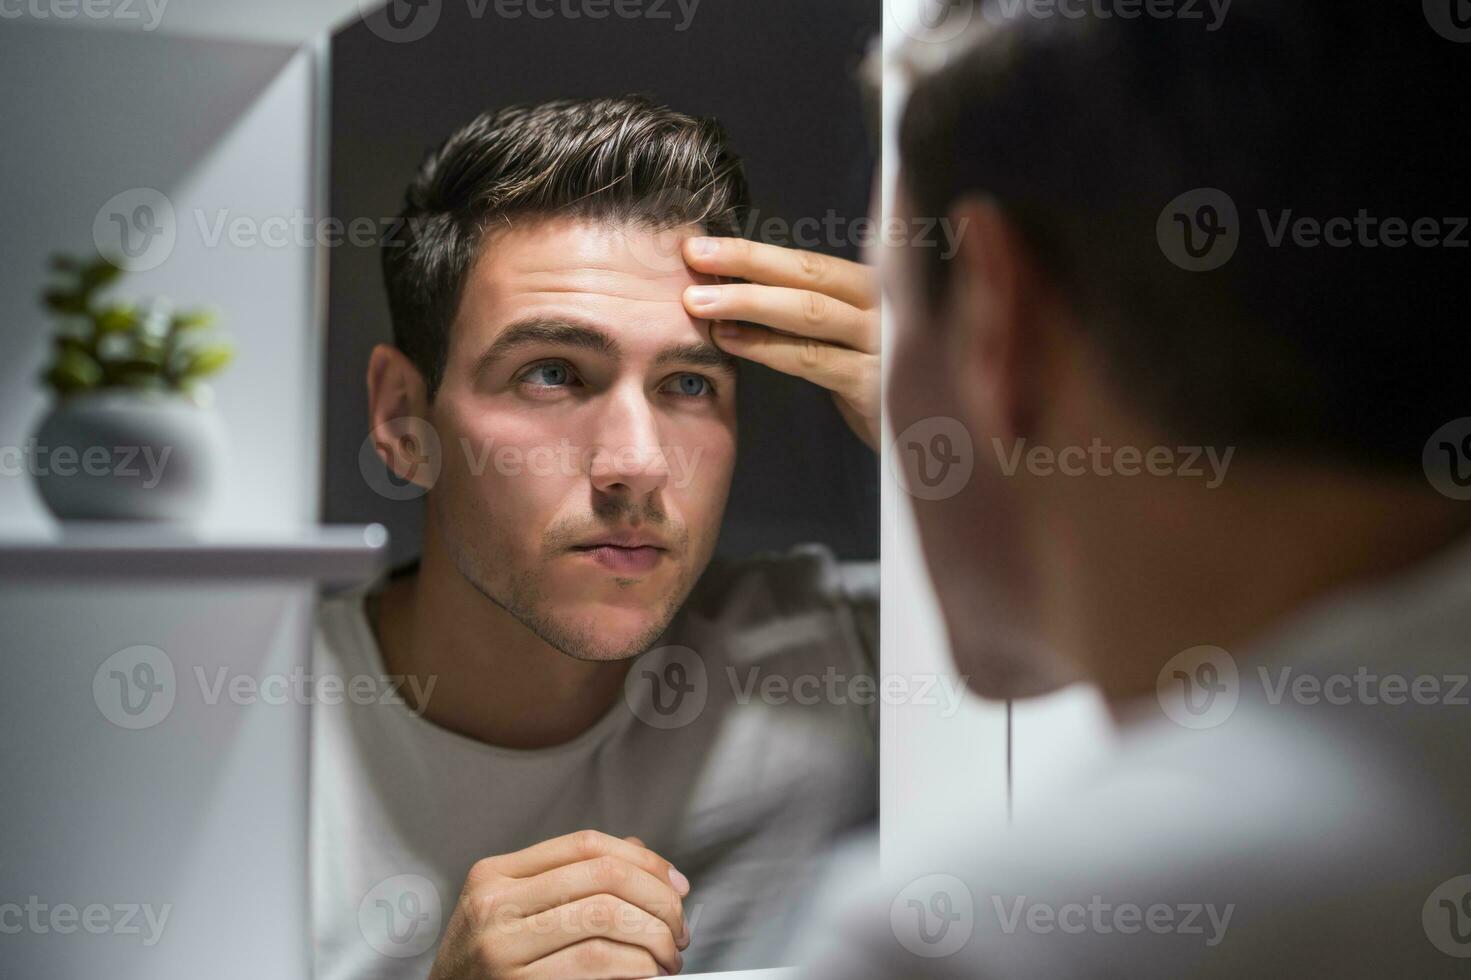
(398, 413)
(995, 330)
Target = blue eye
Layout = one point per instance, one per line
(548, 375)
(692, 385)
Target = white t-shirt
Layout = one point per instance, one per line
(744, 745)
(1312, 818)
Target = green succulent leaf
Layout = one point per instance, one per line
(66, 343)
(206, 360)
(143, 380)
(147, 346)
(74, 370)
(117, 370)
(99, 274)
(117, 319)
(65, 301)
(191, 320)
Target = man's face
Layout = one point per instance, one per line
(589, 431)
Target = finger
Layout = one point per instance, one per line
(636, 841)
(838, 369)
(584, 845)
(600, 876)
(595, 959)
(599, 916)
(795, 311)
(845, 281)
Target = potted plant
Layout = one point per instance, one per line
(130, 434)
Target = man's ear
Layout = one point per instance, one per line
(996, 349)
(398, 415)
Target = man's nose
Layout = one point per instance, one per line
(627, 457)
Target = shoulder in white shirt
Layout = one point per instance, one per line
(1318, 827)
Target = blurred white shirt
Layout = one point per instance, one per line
(1318, 824)
(717, 757)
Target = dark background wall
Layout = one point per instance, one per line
(779, 74)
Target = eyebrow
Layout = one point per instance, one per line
(582, 336)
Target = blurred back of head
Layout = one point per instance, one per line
(1118, 148)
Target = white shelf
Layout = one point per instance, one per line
(133, 551)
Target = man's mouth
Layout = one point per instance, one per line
(626, 554)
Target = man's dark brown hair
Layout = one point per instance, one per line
(621, 160)
(1082, 131)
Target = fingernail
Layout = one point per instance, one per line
(680, 882)
(684, 936)
(727, 330)
(702, 295)
(703, 246)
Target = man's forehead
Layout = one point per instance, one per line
(624, 281)
(601, 261)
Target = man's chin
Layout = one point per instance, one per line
(606, 631)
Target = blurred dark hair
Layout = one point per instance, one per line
(611, 159)
(1082, 130)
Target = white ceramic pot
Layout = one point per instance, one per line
(128, 455)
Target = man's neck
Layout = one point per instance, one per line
(493, 679)
(1143, 569)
